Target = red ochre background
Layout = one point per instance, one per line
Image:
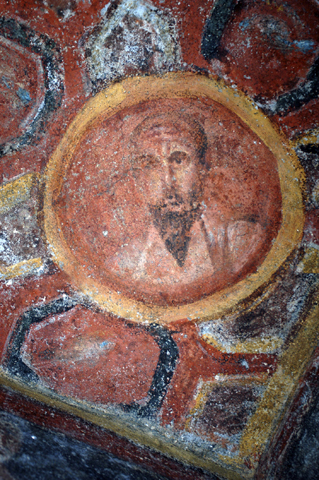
(241, 183)
(266, 73)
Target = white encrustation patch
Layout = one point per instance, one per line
(7, 256)
(138, 37)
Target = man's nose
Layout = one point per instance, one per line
(168, 173)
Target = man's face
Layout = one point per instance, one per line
(167, 168)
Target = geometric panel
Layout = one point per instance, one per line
(31, 85)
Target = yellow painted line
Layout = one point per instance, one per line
(281, 387)
(310, 262)
(176, 85)
(267, 344)
(123, 425)
(27, 267)
(312, 136)
(13, 194)
(16, 192)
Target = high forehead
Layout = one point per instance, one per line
(167, 129)
(159, 142)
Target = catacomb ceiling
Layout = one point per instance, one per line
(159, 233)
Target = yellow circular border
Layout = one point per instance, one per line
(132, 91)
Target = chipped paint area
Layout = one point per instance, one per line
(159, 235)
(134, 37)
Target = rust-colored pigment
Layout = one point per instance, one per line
(186, 201)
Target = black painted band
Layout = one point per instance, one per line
(215, 26)
(163, 373)
(51, 60)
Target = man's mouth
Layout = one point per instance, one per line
(172, 206)
(175, 204)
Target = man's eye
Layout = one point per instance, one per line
(178, 157)
(147, 161)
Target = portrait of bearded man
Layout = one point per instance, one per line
(186, 241)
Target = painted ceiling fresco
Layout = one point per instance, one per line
(159, 233)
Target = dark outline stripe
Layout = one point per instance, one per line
(285, 103)
(14, 364)
(163, 373)
(296, 98)
(215, 26)
(51, 59)
(309, 148)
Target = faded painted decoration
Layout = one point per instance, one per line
(167, 233)
(159, 229)
(31, 85)
(183, 212)
(135, 37)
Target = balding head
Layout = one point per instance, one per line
(183, 130)
(168, 163)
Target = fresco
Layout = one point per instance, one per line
(158, 231)
(190, 201)
(181, 216)
(31, 83)
(195, 228)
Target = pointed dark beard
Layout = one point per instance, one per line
(174, 227)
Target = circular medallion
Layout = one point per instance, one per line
(171, 197)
